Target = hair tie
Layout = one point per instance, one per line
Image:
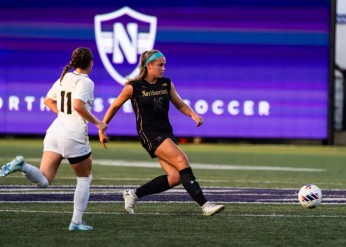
(153, 57)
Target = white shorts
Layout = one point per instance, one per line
(68, 148)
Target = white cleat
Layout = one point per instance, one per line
(210, 209)
(130, 199)
(79, 227)
(15, 165)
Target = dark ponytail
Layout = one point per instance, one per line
(81, 58)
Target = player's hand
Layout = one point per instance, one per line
(102, 126)
(103, 138)
(198, 119)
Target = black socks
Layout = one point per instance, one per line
(191, 185)
(157, 185)
(160, 184)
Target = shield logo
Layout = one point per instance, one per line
(121, 36)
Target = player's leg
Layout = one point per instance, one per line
(160, 183)
(82, 167)
(157, 185)
(172, 172)
(169, 152)
(42, 177)
(49, 166)
(50, 162)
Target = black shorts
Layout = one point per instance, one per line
(78, 159)
(151, 144)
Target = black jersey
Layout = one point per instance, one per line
(151, 105)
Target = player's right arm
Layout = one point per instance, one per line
(51, 104)
(51, 98)
(125, 94)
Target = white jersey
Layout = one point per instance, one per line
(69, 127)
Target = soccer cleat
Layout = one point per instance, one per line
(79, 227)
(130, 199)
(15, 165)
(210, 209)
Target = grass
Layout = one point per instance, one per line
(181, 224)
(175, 225)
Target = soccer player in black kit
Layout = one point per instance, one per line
(150, 94)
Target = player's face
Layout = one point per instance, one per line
(157, 67)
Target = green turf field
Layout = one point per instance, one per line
(180, 224)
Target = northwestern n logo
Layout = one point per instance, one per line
(121, 36)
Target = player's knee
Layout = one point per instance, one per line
(174, 180)
(182, 162)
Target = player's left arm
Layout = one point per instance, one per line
(82, 109)
(183, 107)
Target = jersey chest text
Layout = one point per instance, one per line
(153, 98)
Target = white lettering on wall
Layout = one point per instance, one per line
(248, 108)
(127, 107)
(13, 103)
(200, 106)
(110, 100)
(263, 108)
(217, 107)
(98, 105)
(128, 44)
(29, 100)
(233, 107)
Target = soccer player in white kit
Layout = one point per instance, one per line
(71, 99)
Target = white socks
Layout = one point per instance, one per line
(34, 175)
(81, 194)
(81, 198)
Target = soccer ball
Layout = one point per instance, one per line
(310, 196)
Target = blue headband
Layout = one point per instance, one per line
(153, 57)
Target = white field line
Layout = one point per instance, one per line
(126, 163)
(121, 187)
(259, 197)
(282, 202)
(174, 214)
(20, 176)
(101, 189)
(173, 191)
